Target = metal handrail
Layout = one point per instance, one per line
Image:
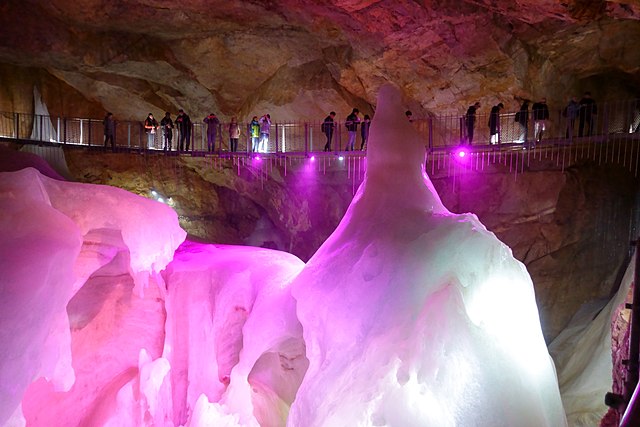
(437, 132)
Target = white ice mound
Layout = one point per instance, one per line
(414, 316)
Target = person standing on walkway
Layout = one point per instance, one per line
(470, 121)
(328, 126)
(234, 134)
(265, 129)
(183, 122)
(571, 114)
(364, 130)
(254, 131)
(212, 129)
(588, 109)
(494, 123)
(351, 123)
(150, 126)
(109, 125)
(540, 113)
(167, 129)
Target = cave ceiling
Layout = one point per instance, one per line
(299, 59)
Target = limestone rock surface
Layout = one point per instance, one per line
(299, 59)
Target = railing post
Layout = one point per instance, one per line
(430, 130)
(129, 135)
(89, 124)
(16, 127)
(277, 138)
(306, 139)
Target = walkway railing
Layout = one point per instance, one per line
(438, 132)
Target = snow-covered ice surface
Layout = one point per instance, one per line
(408, 315)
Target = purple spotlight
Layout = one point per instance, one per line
(461, 153)
(340, 158)
(313, 158)
(258, 158)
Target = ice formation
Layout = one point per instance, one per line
(407, 315)
(583, 357)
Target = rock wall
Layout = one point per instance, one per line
(571, 227)
(300, 59)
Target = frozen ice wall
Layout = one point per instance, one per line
(414, 316)
(583, 355)
(56, 235)
(408, 315)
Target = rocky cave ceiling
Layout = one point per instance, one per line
(299, 59)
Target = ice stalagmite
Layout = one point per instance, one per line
(415, 316)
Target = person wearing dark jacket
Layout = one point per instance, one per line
(540, 113)
(494, 123)
(328, 126)
(109, 130)
(352, 127)
(183, 122)
(364, 130)
(470, 121)
(212, 130)
(167, 129)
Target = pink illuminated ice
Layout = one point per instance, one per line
(408, 315)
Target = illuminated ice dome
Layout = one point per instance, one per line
(407, 315)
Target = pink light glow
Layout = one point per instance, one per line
(137, 326)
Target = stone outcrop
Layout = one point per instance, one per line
(299, 59)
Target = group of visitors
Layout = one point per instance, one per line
(351, 124)
(259, 128)
(183, 124)
(583, 110)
